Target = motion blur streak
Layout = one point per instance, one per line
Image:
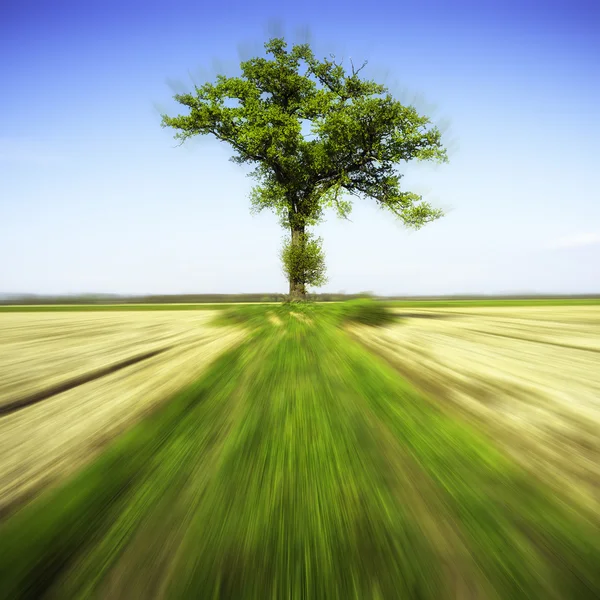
(299, 464)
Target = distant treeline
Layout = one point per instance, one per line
(31, 299)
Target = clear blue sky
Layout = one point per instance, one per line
(95, 197)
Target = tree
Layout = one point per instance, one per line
(303, 262)
(316, 133)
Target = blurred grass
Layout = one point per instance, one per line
(107, 307)
(40, 353)
(366, 312)
(495, 302)
(429, 303)
(530, 377)
(299, 466)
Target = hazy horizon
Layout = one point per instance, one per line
(96, 198)
(116, 296)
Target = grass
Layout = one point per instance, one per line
(529, 376)
(107, 307)
(299, 466)
(50, 439)
(495, 302)
(214, 306)
(366, 312)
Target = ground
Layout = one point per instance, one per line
(308, 460)
(529, 376)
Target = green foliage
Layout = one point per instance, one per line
(304, 261)
(358, 136)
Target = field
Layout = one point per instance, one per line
(531, 378)
(67, 389)
(309, 455)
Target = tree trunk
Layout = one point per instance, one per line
(297, 287)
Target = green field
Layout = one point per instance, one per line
(495, 302)
(433, 303)
(300, 466)
(106, 307)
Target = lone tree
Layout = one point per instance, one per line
(316, 133)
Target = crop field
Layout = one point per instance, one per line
(530, 377)
(69, 383)
(69, 308)
(310, 451)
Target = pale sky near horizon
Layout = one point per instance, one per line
(95, 197)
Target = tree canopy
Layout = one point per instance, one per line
(316, 133)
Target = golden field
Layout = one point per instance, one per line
(528, 376)
(44, 442)
(300, 464)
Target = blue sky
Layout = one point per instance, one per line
(96, 197)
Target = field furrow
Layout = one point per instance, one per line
(529, 376)
(45, 441)
(299, 465)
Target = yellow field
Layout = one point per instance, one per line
(46, 441)
(530, 377)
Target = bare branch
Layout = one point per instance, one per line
(357, 71)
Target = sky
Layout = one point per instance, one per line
(96, 197)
